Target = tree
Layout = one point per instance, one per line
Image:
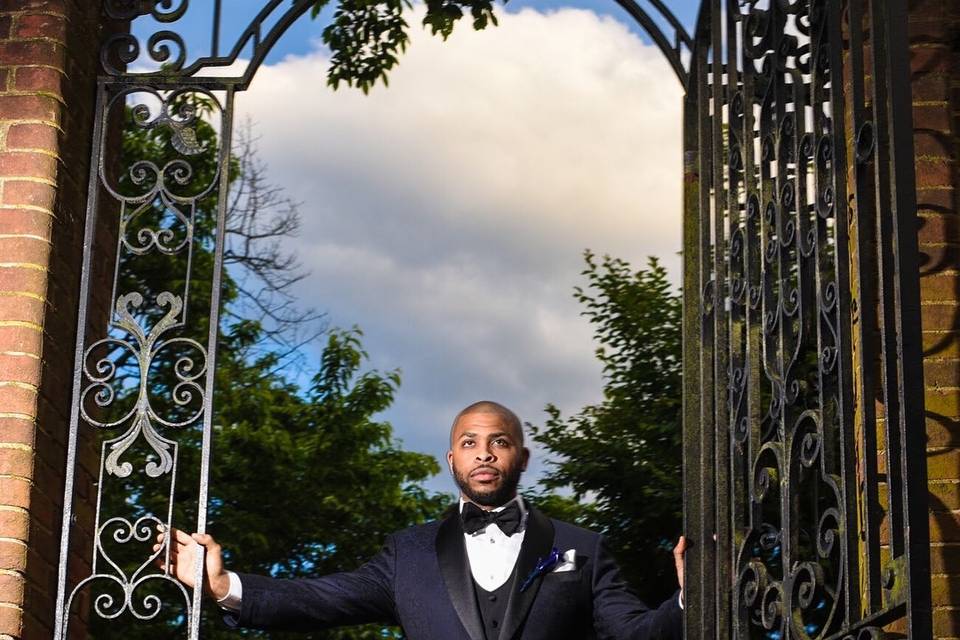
(331, 482)
(622, 457)
(304, 480)
(366, 37)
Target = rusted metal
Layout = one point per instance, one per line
(806, 285)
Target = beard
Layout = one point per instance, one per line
(495, 496)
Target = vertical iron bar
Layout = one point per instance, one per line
(215, 37)
(753, 274)
(734, 496)
(89, 229)
(838, 181)
(721, 323)
(883, 176)
(909, 485)
(212, 338)
(693, 427)
(787, 525)
(705, 62)
(864, 223)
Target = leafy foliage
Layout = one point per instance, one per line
(622, 457)
(310, 484)
(366, 36)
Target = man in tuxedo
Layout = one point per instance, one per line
(497, 570)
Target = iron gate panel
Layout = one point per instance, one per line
(805, 470)
(155, 207)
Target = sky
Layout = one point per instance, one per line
(446, 215)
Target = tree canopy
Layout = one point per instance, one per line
(622, 457)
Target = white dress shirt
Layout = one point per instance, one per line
(493, 553)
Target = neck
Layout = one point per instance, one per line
(465, 499)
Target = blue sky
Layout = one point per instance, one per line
(446, 215)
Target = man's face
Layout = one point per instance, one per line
(486, 458)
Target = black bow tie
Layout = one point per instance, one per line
(476, 519)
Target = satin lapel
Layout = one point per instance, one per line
(455, 567)
(537, 543)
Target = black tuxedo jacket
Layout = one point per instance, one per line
(421, 581)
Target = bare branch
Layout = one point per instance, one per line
(260, 216)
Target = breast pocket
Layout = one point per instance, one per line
(561, 577)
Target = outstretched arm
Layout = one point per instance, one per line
(302, 604)
(620, 615)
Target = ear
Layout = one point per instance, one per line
(526, 459)
(450, 460)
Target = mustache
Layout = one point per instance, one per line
(485, 469)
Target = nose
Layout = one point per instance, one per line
(484, 455)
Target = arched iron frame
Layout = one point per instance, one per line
(168, 47)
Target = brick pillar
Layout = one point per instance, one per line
(935, 61)
(46, 109)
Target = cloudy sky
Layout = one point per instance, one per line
(447, 215)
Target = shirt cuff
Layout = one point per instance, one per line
(231, 601)
(679, 597)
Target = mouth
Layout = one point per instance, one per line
(484, 474)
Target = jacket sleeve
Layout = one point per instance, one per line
(618, 614)
(305, 604)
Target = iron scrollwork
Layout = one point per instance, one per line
(148, 378)
(785, 327)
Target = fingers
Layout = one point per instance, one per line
(678, 552)
(681, 547)
(180, 537)
(204, 538)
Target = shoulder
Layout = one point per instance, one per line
(565, 530)
(417, 535)
(567, 534)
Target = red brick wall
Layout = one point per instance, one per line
(46, 105)
(935, 61)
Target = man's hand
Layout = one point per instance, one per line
(678, 552)
(183, 555)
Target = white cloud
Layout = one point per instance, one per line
(447, 214)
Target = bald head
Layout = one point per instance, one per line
(508, 417)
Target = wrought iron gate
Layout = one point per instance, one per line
(800, 280)
(804, 447)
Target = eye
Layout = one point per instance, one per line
(502, 442)
(466, 443)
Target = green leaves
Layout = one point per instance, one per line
(366, 37)
(310, 482)
(442, 15)
(623, 454)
